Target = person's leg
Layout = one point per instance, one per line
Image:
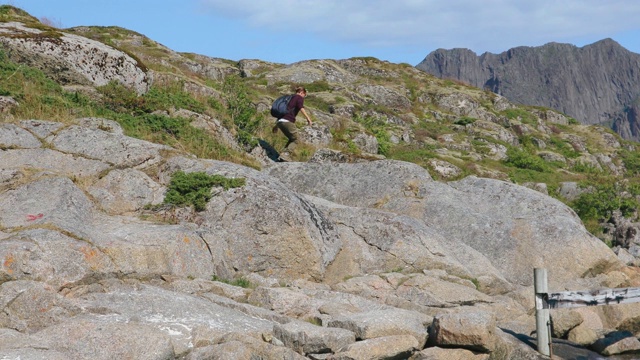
(289, 130)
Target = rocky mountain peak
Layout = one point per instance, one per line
(595, 84)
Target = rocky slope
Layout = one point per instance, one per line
(346, 260)
(595, 84)
(346, 255)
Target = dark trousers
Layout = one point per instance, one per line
(289, 130)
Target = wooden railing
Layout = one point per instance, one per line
(546, 301)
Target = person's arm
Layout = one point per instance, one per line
(304, 112)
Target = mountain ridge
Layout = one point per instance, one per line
(596, 84)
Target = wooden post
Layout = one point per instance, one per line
(546, 301)
(542, 315)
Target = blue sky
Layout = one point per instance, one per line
(400, 31)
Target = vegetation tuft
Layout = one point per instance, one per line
(523, 159)
(599, 204)
(241, 282)
(194, 189)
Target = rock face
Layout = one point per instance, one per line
(595, 84)
(72, 59)
(346, 260)
(524, 215)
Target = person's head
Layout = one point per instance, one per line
(301, 91)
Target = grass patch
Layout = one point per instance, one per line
(522, 115)
(318, 86)
(377, 126)
(241, 282)
(414, 155)
(562, 147)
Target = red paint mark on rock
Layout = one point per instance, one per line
(34, 217)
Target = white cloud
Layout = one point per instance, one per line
(489, 25)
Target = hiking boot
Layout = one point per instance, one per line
(285, 156)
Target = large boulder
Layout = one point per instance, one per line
(268, 229)
(72, 59)
(515, 228)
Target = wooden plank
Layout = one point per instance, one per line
(543, 323)
(570, 299)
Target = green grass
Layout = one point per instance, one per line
(42, 98)
(241, 282)
(414, 155)
(521, 114)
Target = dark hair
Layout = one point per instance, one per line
(301, 89)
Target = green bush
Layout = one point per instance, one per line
(194, 189)
(384, 141)
(241, 110)
(600, 203)
(119, 98)
(523, 159)
(465, 120)
(316, 102)
(631, 161)
(416, 155)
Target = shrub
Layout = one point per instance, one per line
(118, 98)
(416, 155)
(600, 203)
(523, 159)
(194, 189)
(631, 160)
(316, 102)
(241, 110)
(465, 120)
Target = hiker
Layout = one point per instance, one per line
(287, 122)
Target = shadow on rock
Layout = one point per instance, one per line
(566, 350)
(271, 152)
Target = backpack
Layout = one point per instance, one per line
(279, 108)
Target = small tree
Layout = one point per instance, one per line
(241, 110)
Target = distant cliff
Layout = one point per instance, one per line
(595, 84)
